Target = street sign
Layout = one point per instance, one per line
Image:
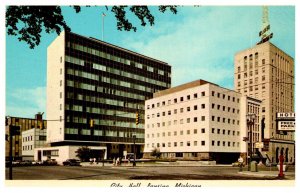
(259, 145)
(286, 121)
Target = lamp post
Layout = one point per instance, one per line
(134, 136)
(250, 125)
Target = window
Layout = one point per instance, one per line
(263, 61)
(203, 130)
(188, 120)
(202, 106)
(175, 100)
(202, 118)
(213, 105)
(203, 143)
(195, 95)
(60, 95)
(188, 109)
(223, 143)
(181, 132)
(188, 97)
(195, 107)
(218, 143)
(175, 111)
(218, 131)
(175, 144)
(188, 143)
(223, 131)
(212, 130)
(212, 143)
(181, 110)
(195, 119)
(213, 93)
(195, 131)
(203, 93)
(187, 132)
(181, 99)
(195, 143)
(175, 133)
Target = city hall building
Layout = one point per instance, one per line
(89, 80)
(200, 121)
(265, 72)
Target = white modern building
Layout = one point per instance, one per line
(199, 121)
(31, 139)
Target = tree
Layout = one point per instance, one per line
(33, 18)
(83, 153)
(156, 153)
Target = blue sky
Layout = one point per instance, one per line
(198, 42)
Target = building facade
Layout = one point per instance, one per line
(31, 139)
(88, 79)
(197, 121)
(267, 73)
(17, 142)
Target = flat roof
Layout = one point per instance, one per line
(182, 87)
(120, 48)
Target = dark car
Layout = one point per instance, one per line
(50, 162)
(71, 162)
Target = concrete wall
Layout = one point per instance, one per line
(55, 89)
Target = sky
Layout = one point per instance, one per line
(199, 42)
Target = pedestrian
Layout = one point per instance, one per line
(241, 160)
(91, 161)
(118, 161)
(94, 160)
(114, 161)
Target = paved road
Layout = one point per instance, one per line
(130, 173)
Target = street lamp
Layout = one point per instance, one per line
(250, 125)
(134, 137)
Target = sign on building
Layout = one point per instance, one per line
(286, 121)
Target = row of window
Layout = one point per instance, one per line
(195, 143)
(229, 132)
(109, 80)
(108, 133)
(101, 89)
(115, 58)
(107, 101)
(101, 111)
(195, 131)
(181, 121)
(27, 147)
(195, 96)
(163, 134)
(103, 68)
(28, 138)
(103, 122)
(263, 77)
(229, 121)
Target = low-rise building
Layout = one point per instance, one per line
(31, 139)
(198, 121)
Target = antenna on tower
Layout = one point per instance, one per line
(265, 33)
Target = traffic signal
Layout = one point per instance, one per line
(137, 118)
(91, 123)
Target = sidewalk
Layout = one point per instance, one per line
(263, 173)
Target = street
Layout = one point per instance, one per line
(136, 173)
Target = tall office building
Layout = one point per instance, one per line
(200, 121)
(89, 80)
(266, 72)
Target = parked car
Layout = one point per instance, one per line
(71, 162)
(26, 163)
(50, 162)
(37, 162)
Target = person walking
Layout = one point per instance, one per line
(241, 161)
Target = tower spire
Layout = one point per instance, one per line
(265, 33)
